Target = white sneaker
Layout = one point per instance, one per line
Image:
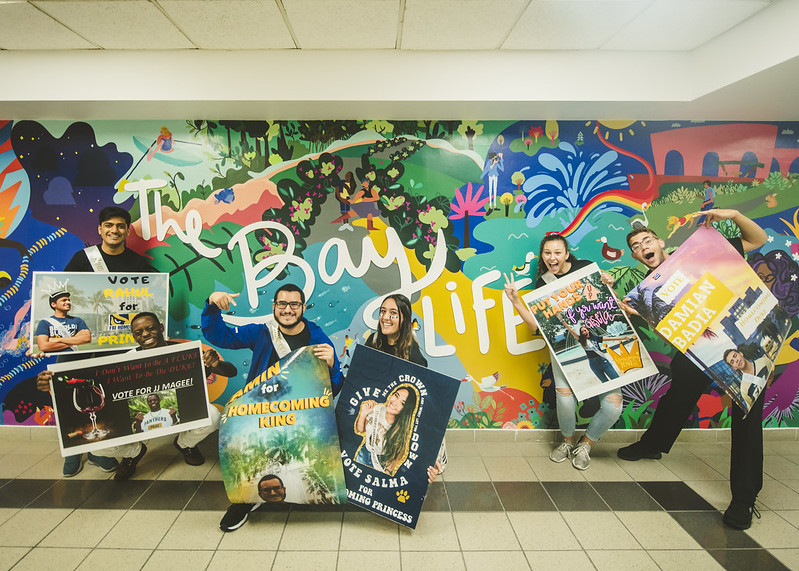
(580, 458)
(562, 452)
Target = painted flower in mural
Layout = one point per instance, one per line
(434, 218)
(300, 210)
(570, 179)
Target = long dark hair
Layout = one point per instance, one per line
(405, 339)
(542, 267)
(583, 339)
(398, 435)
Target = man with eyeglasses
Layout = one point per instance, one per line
(688, 383)
(283, 331)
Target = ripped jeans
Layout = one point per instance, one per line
(609, 408)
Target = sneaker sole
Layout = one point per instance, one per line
(107, 470)
(73, 473)
(558, 461)
(235, 527)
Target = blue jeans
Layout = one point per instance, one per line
(607, 415)
(602, 369)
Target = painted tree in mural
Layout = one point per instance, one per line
(465, 205)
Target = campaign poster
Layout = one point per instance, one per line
(278, 441)
(708, 302)
(392, 416)
(589, 335)
(124, 398)
(90, 312)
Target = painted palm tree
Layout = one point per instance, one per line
(465, 206)
(98, 302)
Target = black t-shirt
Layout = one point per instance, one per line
(415, 357)
(127, 261)
(576, 265)
(301, 339)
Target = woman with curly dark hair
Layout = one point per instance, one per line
(775, 268)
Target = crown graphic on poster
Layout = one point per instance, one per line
(626, 360)
(55, 287)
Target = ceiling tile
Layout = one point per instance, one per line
(230, 24)
(118, 25)
(344, 24)
(24, 27)
(571, 24)
(682, 24)
(470, 24)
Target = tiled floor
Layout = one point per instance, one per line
(502, 504)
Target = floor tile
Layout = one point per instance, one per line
(679, 560)
(43, 557)
(13, 465)
(368, 532)
(210, 495)
(647, 471)
(263, 532)
(777, 496)
(434, 532)
(548, 471)
(226, 560)
(509, 469)
(611, 560)
(19, 493)
(166, 558)
(788, 557)
(535, 449)
(193, 530)
(458, 449)
(26, 528)
(691, 468)
(791, 516)
(657, 530)
(747, 559)
(466, 469)
(139, 529)
(772, 531)
(324, 528)
(605, 469)
(625, 496)
(66, 494)
(571, 496)
(542, 531)
(600, 530)
(481, 560)
(548, 560)
(523, 496)
(436, 499)
(440, 560)
(116, 559)
(484, 531)
(82, 528)
(322, 560)
(472, 496)
(7, 513)
(111, 494)
(10, 555)
(493, 449)
(715, 492)
(675, 496)
(167, 495)
(708, 530)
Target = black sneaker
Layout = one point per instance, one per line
(128, 465)
(236, 516)
(739, 515)
(191, 454)
(637, 451)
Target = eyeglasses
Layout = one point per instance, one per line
(291, 304)
(272, 489)
(393, 315)
(646, 242)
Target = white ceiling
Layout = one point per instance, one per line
(675, 59)
(643, 25)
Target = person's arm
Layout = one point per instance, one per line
(137, 420)
(216, 331)
(360, 422)
(49, 344)
(518, 304)
(566, 325)
(174, 414)
(43, 381)
(752, 235)
(81, 337)
(324, 350)
(213, 364)
(625, 338)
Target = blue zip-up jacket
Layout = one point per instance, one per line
(257, 338)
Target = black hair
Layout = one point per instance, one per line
(114, 212)
(269, 477)
(145, 314)
(405, 337)
(637, 231)
(290, 287)
(542, 266)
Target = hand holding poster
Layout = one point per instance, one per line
(108, 401)
(91, 312)
(392, 415)
(278, 440)
(707, 301)
(589, 335)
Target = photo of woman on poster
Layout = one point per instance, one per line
(592, 345)
(386, 429)
(395, 336)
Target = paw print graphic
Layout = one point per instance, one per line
(402, 496)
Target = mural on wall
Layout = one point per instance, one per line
(354, 210)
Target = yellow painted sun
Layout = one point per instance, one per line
(616, 126)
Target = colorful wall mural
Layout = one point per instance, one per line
(353, 210)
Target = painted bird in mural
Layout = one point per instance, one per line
(487, 384)
(525, 268)
(608, 252)
(639, 223)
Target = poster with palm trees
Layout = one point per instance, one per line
(105, 303)
(278, 440)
